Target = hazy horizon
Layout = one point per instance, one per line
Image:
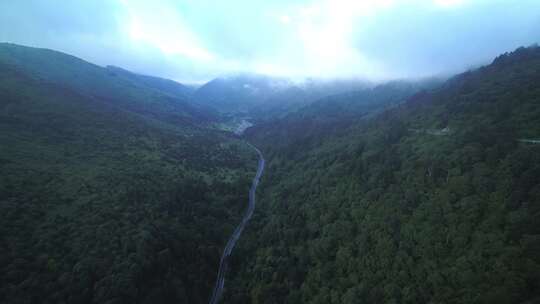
(195, 41)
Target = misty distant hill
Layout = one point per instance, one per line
(163, 85)
(266, 97)
(334, 114)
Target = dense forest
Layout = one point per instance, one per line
(112, 190)
(434, 200)
(123, 188)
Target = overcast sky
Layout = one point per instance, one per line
(195, 40)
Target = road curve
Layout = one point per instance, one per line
(220, 281)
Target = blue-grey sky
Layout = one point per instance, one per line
(195, 40)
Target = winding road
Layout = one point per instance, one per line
(220, 281)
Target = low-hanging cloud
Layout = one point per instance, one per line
(196, 40)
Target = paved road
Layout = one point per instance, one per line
(529, 141)
(220, 281)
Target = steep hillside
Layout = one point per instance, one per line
(162, 85)
(434, 201)
(333, 115)
(108, 200)
(161, 99)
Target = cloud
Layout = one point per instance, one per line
(424, 40)
(448, 3)
(324, 36)
(163, 28)
(285, 19)
(194, 40)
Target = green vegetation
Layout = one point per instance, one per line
(116, 188)
(331, 116)
(109, 200)
(376, 211)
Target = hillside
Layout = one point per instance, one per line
(333, 115)
(104, 198)
(433, 201)
(162, 85)
(160, 99)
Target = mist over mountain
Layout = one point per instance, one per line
(263, 97)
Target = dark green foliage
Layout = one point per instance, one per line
(108, 201)
(114, 191)
(399, 209)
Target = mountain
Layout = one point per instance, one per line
(239, 93)
(112, 190)
(263, 97)
(117, 187)
(434, 200)
(162, 85)
(161, 99)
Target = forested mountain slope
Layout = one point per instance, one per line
(332, 115)
(434, 201)
(107, 200)
(166, 86)
(159, 98)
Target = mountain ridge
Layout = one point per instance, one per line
(130, 91)
(102, 202)
(387, 210)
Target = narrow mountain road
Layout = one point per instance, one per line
(529, 141)
(223, 264)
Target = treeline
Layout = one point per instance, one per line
(433, 201)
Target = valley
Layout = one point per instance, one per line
(223, 263)
(122, 188)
